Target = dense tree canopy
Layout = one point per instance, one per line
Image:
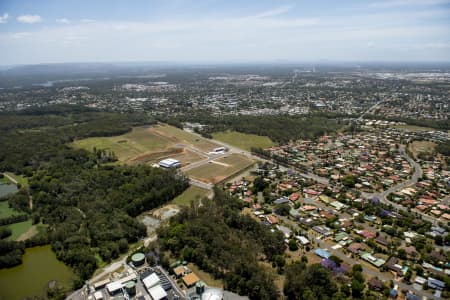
(309, 282)
(444, 148)
(222, 241)
(280, 128)
(89, 207)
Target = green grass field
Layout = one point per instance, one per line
(150, 144)
(129, 145)
(243, 140)
(221, 169)
(182, 136)
(18, 229)
(6, 211)
(192, 193)
(19, 178)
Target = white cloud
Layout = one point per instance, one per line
(63, 21)
(87, 21)
(259, 36)
(440, 46)
(274, 12)
(397, 3)
(20, 35)
(4, 18)
(29, 19)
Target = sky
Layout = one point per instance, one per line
(223, 31)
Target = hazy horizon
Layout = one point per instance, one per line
(224, 32)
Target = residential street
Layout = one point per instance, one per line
(385, 276)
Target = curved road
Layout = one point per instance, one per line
(414, 178)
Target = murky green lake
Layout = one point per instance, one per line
(7, 189)
(30, 278)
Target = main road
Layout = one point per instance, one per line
(233, 149)
(369, 110)
(382, 195)
(324, 244)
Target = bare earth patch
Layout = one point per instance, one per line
(28, 234)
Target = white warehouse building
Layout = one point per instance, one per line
(169, 163)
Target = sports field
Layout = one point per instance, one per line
(151, 144)
(243, 140)
(222, 168)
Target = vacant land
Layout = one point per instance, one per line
(243, 140)
(127, 146)
(192, 193)
(184, 137)
(205, 277)
(150, 145)
(6, 211)
(413, 128)
(18, 229)
(421, 147)
(222, 168)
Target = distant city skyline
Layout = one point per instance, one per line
(224, 31)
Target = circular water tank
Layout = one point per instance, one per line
(130, 287)
(200, 287)
(138, 259)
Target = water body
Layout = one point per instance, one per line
(7, 189)
(38, 268)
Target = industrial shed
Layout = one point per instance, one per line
(169, 163)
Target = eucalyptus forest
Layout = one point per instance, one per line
(88, 207)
